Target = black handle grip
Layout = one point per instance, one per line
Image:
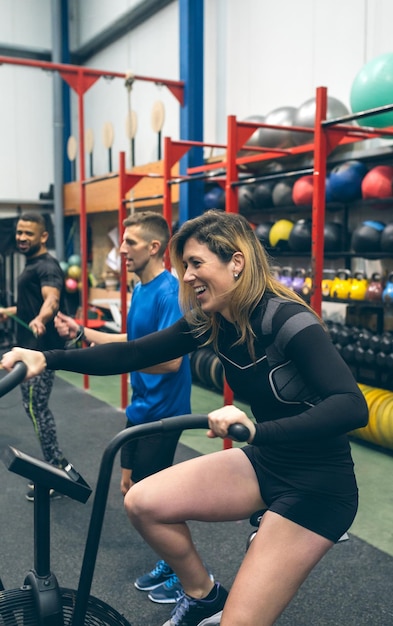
(238, 432)
(13, 378)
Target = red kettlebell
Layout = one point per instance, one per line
(375, 288)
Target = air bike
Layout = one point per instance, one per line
(40, 601)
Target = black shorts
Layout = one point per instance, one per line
(327, 515)
(148, 455)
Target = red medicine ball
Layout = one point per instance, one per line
(377, 183)
(302, 191)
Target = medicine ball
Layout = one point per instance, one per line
(245, 195)
(345, 181)
(332, 236)
(367, 237)
(262, 231)
(387, 238)
(302, 191)
(377, 183)
(328, 191)
(263, 195)
(213, 197)
(282, 194)
(279, 234)
(300, 236)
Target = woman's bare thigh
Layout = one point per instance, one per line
(213, 487)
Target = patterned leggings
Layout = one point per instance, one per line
(35, 398)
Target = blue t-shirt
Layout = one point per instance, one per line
(155, 306)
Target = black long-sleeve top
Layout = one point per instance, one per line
(298, 372)
(302, 394)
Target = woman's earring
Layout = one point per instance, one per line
(236, 276)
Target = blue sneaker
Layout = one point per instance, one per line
(192, 612)
(158, 575)
(168, 592)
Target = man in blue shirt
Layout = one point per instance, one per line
(157, 392)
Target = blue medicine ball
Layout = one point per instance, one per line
(213, 198)
(345, 181)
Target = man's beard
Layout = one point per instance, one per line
(31, 250)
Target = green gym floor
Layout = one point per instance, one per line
(374, 467)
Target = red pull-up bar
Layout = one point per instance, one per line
(80, 79)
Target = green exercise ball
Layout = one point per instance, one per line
(372, 88)
(74, 259)
(64, 266)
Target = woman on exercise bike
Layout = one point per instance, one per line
(277, 354)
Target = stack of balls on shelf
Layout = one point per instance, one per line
(347, 182)
(284, 234)
(283, 136)
(72, 272)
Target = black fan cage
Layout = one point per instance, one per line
(17, 608)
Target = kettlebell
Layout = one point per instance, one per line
(298, 279)
(359, 286)
(327, 280)
(375, 288)
(307, 285)
(387, 294)
(286, 277)
(341, 284)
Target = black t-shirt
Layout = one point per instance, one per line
(40, 271)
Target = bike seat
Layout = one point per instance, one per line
(67, 481)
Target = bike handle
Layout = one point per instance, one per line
(13, 378)
(238, 432)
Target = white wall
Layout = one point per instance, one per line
(26, 134)
(259, 55)
(151, 51)
(25, 23)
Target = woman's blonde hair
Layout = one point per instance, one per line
(224, 234)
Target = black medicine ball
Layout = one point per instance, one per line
(332, 236)
(367, 237)
(246, 200)
(263, 195)
(262, 232)
(282, 194)
(387, 238)
(300, 236)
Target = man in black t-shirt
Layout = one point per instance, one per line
(39, 297)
